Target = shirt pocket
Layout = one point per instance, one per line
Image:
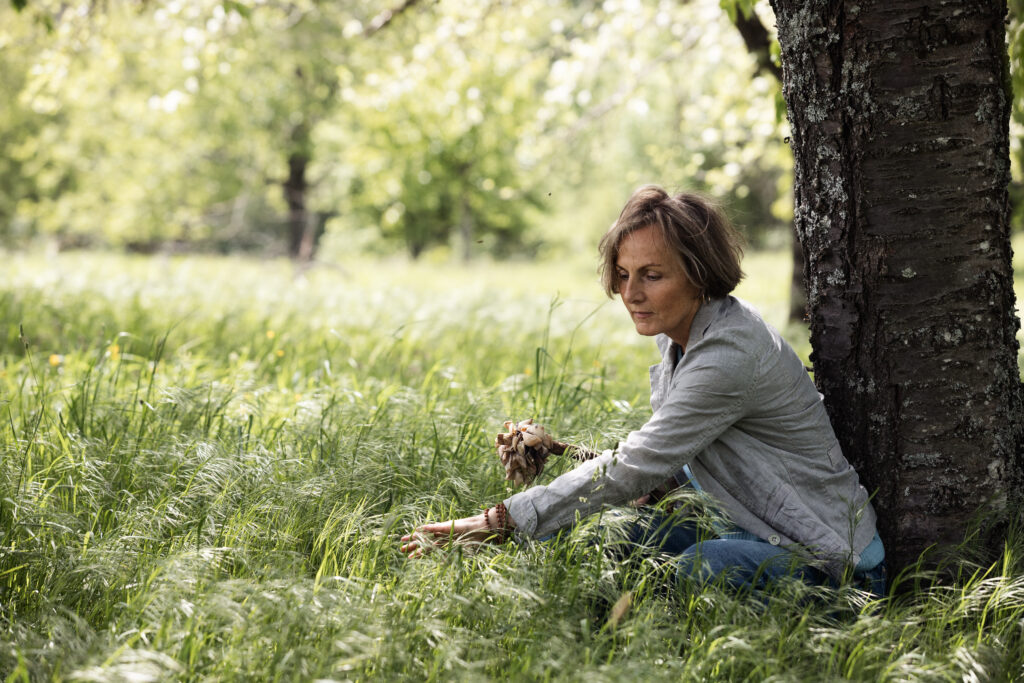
(784, 511)
(835, 455)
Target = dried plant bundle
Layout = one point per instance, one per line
(525, 448)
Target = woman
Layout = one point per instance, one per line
(735, 415)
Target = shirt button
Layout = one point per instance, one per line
(774, 539)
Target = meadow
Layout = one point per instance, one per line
(206, 463)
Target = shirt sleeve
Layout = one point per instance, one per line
(708, 394)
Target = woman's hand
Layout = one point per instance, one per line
(657, 494)
(473, 529)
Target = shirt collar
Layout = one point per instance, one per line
(702, 320)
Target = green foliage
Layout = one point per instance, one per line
(205, 467)
(676, 101)
(735, 8)
(163, 117)
(435, 144)
(457, 124)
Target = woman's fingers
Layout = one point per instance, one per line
(416, 544)
(425, 538)
(412, 551)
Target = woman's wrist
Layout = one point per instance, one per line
(498, 520)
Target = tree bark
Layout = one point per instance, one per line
(899, 111)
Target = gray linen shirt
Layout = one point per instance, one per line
(740, 409)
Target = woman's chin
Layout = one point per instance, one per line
(645, 330)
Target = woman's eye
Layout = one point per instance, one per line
(653, 276)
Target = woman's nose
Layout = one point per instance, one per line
(632, 291)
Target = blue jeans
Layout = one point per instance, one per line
(742, 564)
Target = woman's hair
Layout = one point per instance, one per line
(697, 232)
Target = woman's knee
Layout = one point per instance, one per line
(739, 564)
(646, 533)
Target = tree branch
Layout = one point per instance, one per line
(758, 42)
(386, 17)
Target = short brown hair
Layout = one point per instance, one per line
(697, 231)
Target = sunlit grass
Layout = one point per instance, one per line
(205, 465)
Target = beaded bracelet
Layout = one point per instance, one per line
(502, 513)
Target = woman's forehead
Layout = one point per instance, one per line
(644, 243)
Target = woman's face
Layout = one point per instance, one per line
(654, 288)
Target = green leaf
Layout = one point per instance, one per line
(238, 7)
(730, 8)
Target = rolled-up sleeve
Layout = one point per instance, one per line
(708, 393)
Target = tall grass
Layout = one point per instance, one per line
(205, 465)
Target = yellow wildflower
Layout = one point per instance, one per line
(115, 351)
(56, 359)
(279, 352)
(271, 334)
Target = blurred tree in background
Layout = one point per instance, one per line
(438, 122)
(473, 128)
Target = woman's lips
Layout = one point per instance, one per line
(642, 315)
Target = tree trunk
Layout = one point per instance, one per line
(466, 228)
(295, 189)
(797, 289)
(310, 236)
(899, 111)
